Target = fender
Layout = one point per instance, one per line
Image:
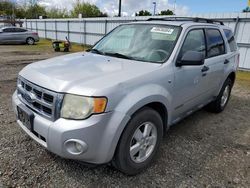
(132, 102)
(142, 96)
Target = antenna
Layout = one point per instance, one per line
(120, 8)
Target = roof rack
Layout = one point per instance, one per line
(194, 19)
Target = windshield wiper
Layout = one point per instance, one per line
(118, 55)
(95, 51)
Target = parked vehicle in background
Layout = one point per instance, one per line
(113, 103)
(16, 35)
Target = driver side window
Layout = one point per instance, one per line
(195, 41)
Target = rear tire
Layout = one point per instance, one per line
(139, 142)
(219, 104)
(30, 41)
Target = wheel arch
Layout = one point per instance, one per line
(155, 105)
(152, 96)
(162, 110)
(232, 77)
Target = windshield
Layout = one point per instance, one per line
(142, 42)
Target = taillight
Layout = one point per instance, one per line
(34, 33)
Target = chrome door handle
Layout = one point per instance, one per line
(226, 61)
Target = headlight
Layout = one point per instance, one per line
(79, 107)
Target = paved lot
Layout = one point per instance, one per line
(204, 150)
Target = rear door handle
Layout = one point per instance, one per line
(226, 61)
(205, 69)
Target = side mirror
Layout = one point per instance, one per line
(191, 58)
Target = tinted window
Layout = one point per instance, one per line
(215, 43)
(231, 40)
(195, 41)
(20, 30)
(8, 30)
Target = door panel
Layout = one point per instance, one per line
(20, 35)
(188, 88)
(214, 74)
(216, 57)
(8, 35)
(189, 80)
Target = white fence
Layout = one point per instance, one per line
(90, 30)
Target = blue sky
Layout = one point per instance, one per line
(199, 6)
(183, 7)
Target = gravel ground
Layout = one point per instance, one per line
(204, 150)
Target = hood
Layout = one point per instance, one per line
(84, 73)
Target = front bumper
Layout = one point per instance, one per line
(99, 134)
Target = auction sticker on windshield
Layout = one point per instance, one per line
(163, 30)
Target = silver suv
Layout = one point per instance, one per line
(113, 103)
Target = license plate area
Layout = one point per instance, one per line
(26, 116)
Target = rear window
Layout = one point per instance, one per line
(231, 41)
(215, 43)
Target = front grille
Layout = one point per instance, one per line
(38, 99)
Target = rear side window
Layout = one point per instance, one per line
(231, 41)
(215, 43)
(20, 30)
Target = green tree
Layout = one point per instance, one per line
(246, 9)
(34, 11)
(143, 13)
(6, 8)
(20, 12)
(166, 12)
(86, 9)
(57, 13)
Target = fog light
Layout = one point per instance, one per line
(78, 147)
(75, 146)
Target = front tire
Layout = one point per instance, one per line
(139, 142)
(219, 104)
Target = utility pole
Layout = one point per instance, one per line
(120, 8)
(154, 3)
(174, 6)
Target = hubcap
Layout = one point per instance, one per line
(225, 96)
(30, 41)
(143, 142)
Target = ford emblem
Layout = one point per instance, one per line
(30, 97)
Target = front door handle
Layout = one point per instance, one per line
(205, 69)
(226, 61)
